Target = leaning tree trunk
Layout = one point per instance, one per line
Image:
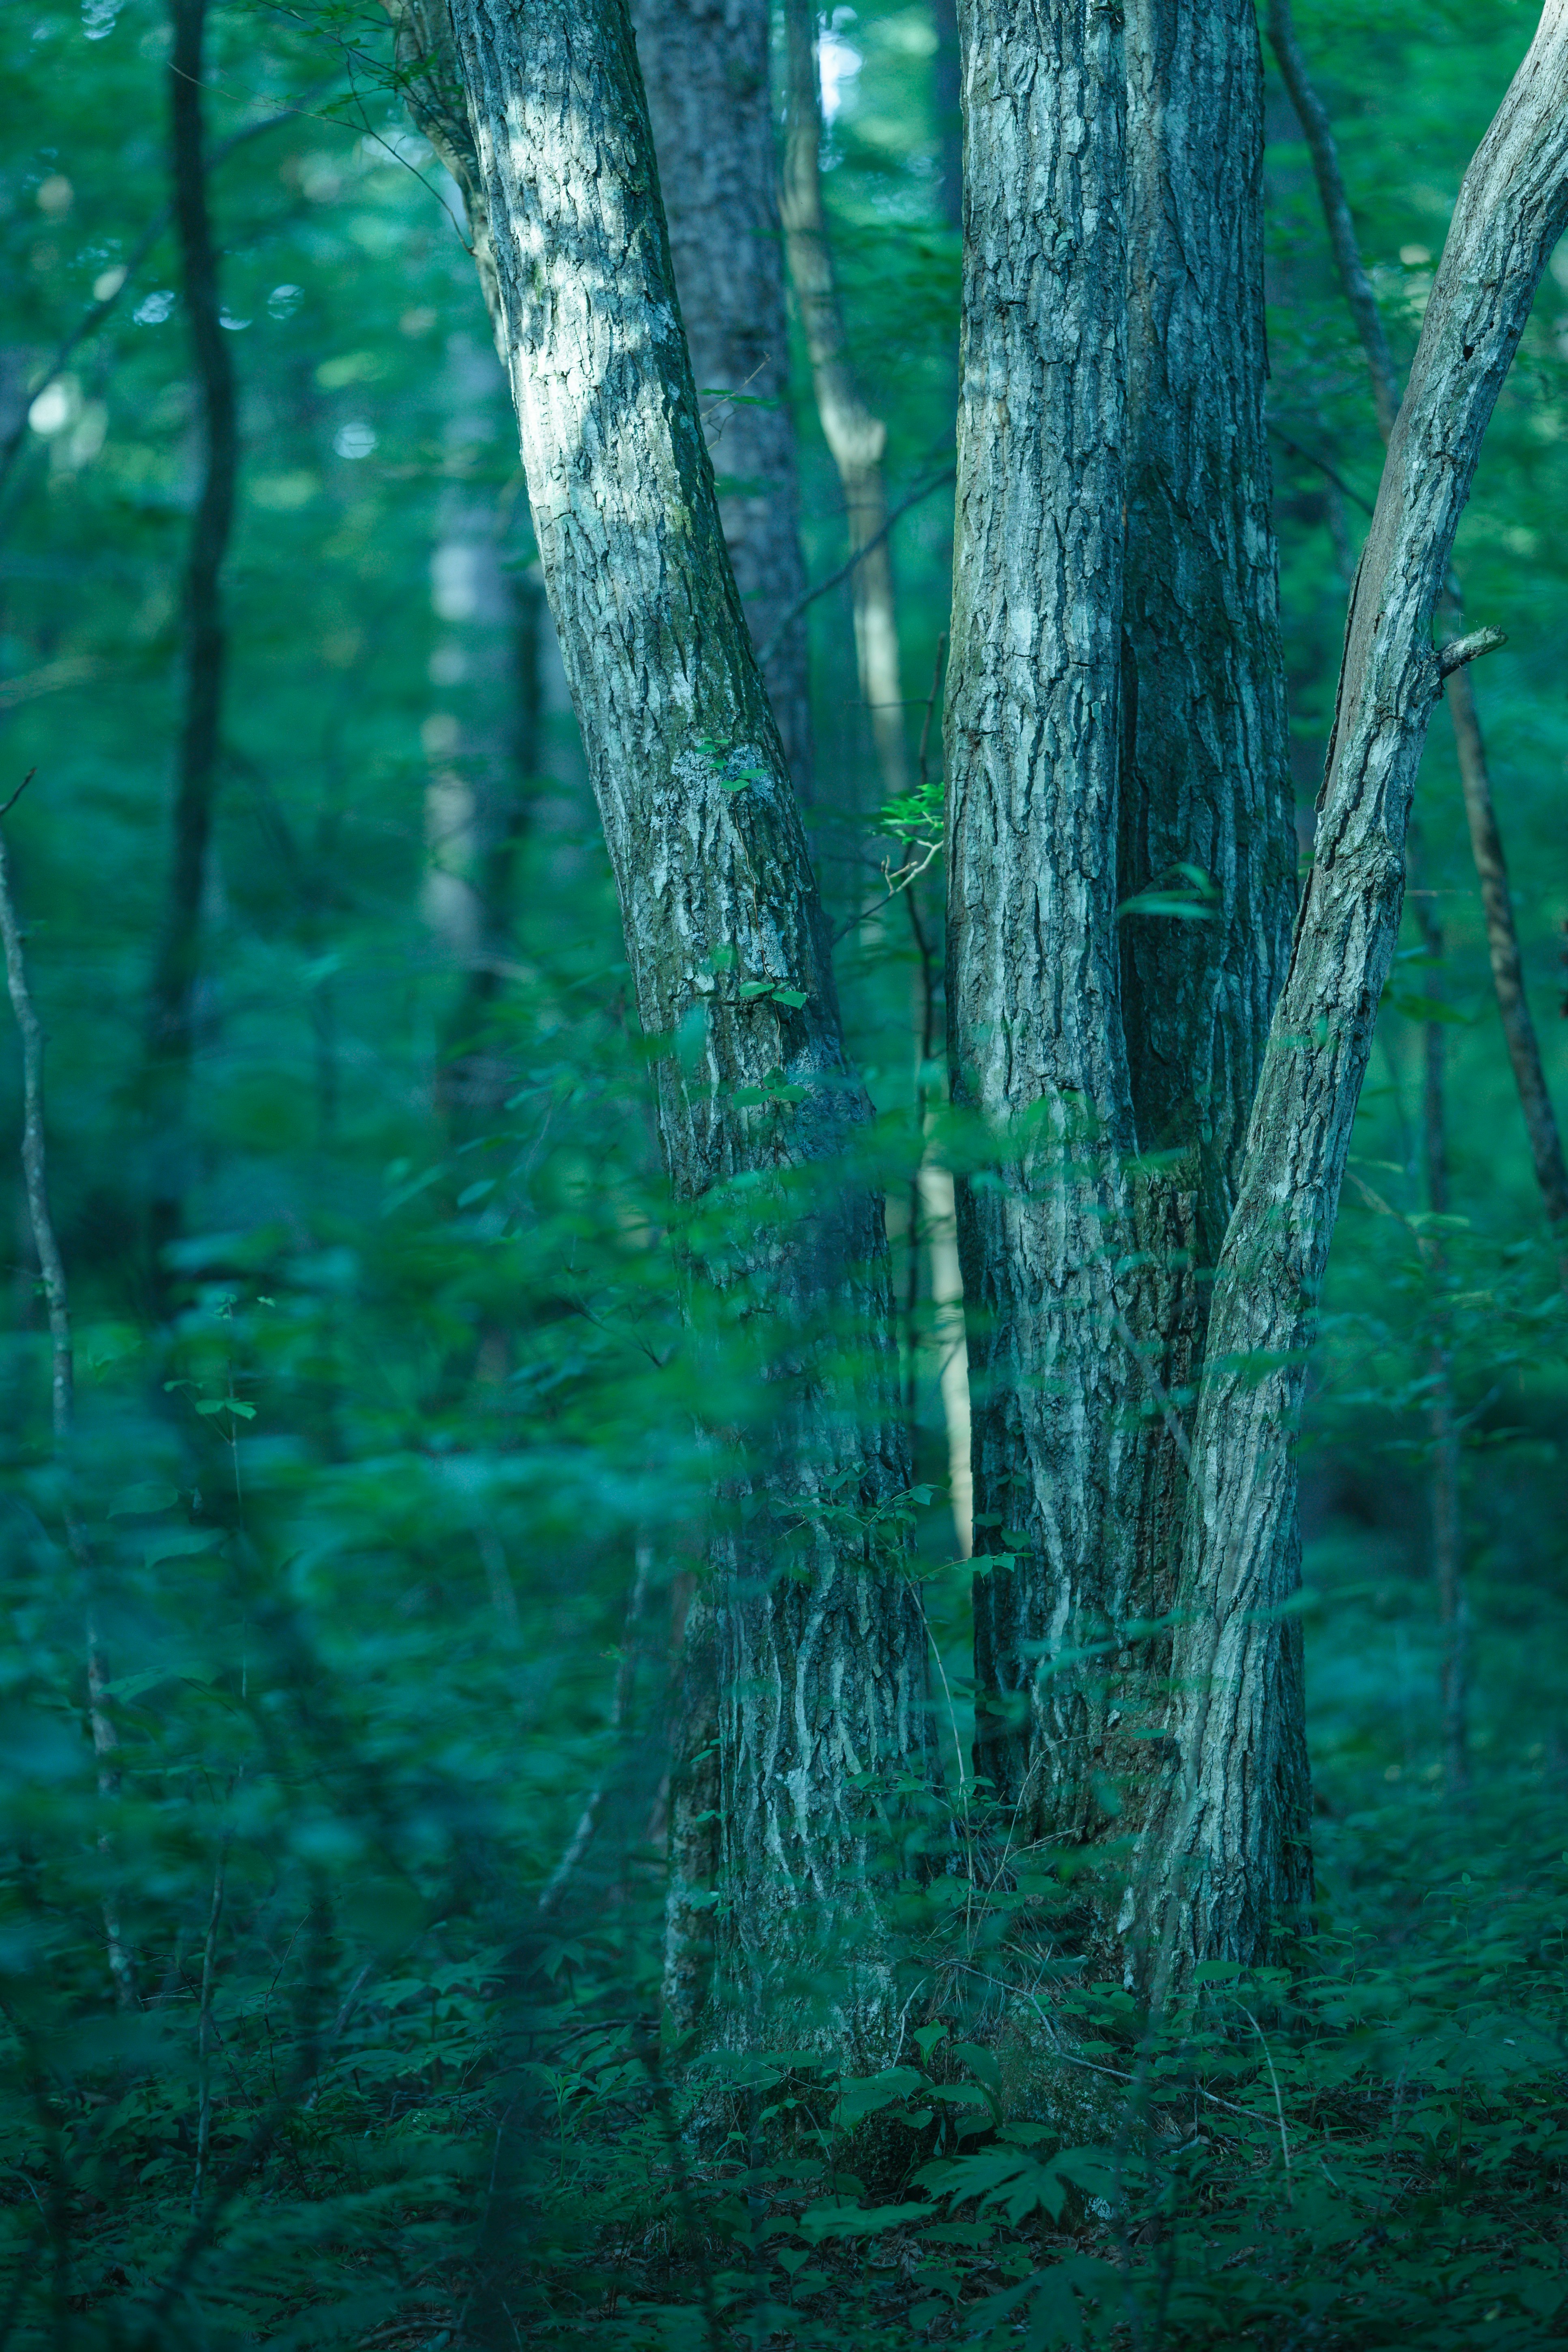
(1033, 749)
(1228, 1860)
(818, 1637)
(172, 1013)
(1475, 776)
(705, 65)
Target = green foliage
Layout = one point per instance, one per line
(370, 1509)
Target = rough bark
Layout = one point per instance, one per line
(1486, 838)
(818, 1638)
(1033, 749)
(172, 1006)
(1155, 1028)
(705, 66)
(1229, 1863)
(857, 438)
(1205, 813)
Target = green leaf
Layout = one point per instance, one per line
(139, 1501)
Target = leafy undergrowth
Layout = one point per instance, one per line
(476, 2142)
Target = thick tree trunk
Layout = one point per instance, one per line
(705, 66)
(173, 1007)
(818, 1638)
(857, 438)
(1034, 984)
(1204, 817)
(1229, 1863)
(1164, 791)
(1486, 837)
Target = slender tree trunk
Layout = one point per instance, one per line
(940, 1207)
(1448, 1528)
(1229, 1862)
(818, 1638)
(695, 1844)
(857, 438)
(1486, 839)
(176, 969)
(62, 1392)
(484, 777)
(705, 65)
(1034, 982)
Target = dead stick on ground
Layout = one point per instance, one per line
(51, 1266)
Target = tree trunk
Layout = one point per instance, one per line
(705, 65)
(1034, 985)
(172, 1006)
(1207, 837)
(1486, 838)
(857, 438)
(818, 1637)
(1229, 1862)
(1162, 786)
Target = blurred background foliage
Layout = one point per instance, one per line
(390, 1474)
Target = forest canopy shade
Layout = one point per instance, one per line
(516, 1394)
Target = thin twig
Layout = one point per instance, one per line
(204, 2032)
(1278, 2102)
(62, 1368)
(766, 652)
(1313, 117)
(20, 791)
(621, 1706)
(1311, 456)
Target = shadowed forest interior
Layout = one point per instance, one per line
(404, 1939)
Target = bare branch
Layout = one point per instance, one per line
(1460, 650)
(1314, 120)
(866, 548)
